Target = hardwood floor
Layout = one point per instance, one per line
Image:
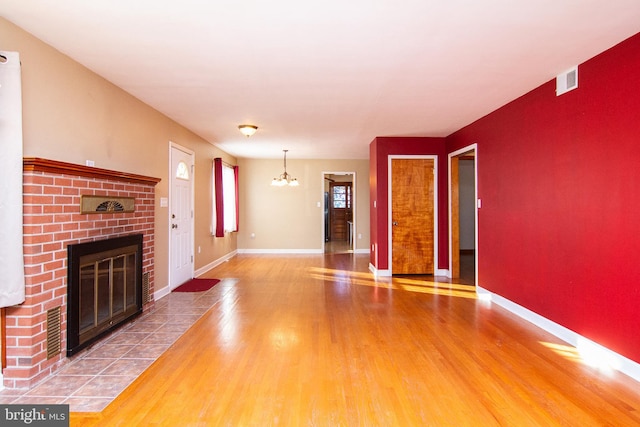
(316, 340)
(337, 247)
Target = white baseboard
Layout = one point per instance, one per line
(161, 293)
(280, 251)
(362, 251)
(379, 273)
(584, 345)
(292, 251)
(387, 273)
(215, 263)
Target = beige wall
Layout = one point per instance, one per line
(71, 114)
(288, 218)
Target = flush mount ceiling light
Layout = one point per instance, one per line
(248, 130)
(285, 178)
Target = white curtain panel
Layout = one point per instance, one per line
(11, 255)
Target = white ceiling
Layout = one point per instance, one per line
(323, 78)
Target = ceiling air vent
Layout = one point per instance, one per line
(567, 81)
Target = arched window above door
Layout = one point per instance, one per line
(182, 171)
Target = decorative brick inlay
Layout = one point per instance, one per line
(52, 220)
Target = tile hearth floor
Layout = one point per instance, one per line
(100, 373)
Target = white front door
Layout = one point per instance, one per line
(181, 216)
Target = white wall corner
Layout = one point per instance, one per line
(379, 273)
(443, 272)
(161, 293)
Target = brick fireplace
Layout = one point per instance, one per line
(36, 330)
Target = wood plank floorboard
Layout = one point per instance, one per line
(316, 340)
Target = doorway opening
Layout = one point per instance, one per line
(463, 215)
(339, 225)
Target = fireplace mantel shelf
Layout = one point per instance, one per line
(43, 165)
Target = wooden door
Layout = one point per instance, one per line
(412, 216)
(339, 210)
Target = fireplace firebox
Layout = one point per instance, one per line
(104, 288)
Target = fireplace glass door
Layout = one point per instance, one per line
(105, 288)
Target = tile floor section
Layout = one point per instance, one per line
(98, 374)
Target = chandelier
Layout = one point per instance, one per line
(285, 178)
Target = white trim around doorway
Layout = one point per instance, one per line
(353, 206)
(436, 270)
(474, 148)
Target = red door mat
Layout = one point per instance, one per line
(196, 285)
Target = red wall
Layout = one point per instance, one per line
(380, 149)
(559, 179)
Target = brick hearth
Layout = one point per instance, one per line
(52, 220)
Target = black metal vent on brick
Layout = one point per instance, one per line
(53, 332)
(145, 287)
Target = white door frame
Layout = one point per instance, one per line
(353, 205)
(436, 271)
(463, 150)
(172, 146)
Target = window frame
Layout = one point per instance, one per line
(225, 218)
